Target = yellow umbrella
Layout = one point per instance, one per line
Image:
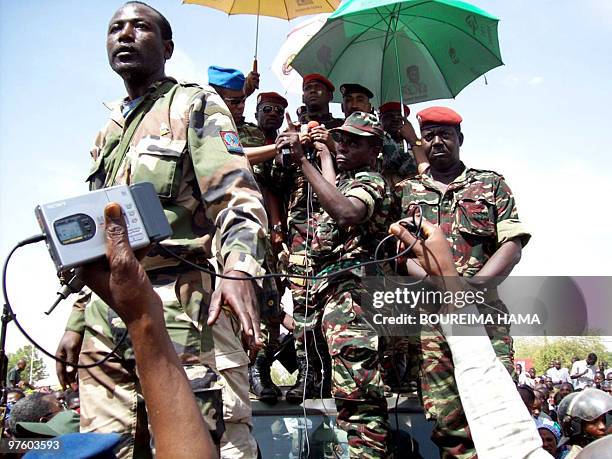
(284, 9)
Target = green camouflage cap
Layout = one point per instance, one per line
(360, 123)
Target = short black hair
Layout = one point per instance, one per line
(527, 394)
(162, 22)
(29, 409)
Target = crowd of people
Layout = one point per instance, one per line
(546, 398)
(314, 198)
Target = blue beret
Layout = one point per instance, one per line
(80, 446)
(226, 78)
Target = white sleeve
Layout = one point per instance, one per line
(500, 424)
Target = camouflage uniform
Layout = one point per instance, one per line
(353, 344)
(270, 310)
(294, 187)
(181, 138)
(300, 229)
(394, 163)
(478, 214)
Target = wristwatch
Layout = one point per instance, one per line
(417, 143)
(277, 228)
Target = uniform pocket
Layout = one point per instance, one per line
(475, 217)
(158, 160)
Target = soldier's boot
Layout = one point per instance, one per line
(270, 360)
(306, 382)
(261, 382)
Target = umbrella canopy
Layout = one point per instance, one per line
(284, 9)
(296, 39)
(413, 50)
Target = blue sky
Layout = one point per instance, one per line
(542, 120)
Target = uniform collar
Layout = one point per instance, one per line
(156, 90)
(465, 177)
(353, 172)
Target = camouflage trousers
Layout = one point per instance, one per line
(306, 314)
(357, 384)
(110, 394)
(439, 393)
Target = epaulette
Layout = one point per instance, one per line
(485, 171)
(189, 84)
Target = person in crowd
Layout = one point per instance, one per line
(530, 378)
(558, 374)
(269, 114)
(583, 372)
(36, 407)
(13, 378)
(317, 93)
(208, 191)
(582, 416)
(550, 432)
(353, 219)
(303, 209)
(477, 212)
(398, 161)
(598, 379)
(528, 396)
(540, 405)
(355, 98)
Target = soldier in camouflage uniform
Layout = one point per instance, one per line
(318, 92)
(181, 138)
(476, 210)
(354, 218)
(259, 142)
(398, 161)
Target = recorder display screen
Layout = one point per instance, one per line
(75, 228)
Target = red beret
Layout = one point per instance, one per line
(439, 115)
(390, 106)
(272, 97)
(320, 78)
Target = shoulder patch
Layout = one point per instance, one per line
(231, 141)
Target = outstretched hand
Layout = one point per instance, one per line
(433, 253)
(121, 282)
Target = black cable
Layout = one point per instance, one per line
(298, 276)
(32, 240)
(41, 237)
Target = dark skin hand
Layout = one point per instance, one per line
(239, 296)
(68, 349)
(136, 49)
(124, 285)
(345, 211)
(434, 254)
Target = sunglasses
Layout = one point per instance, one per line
(234, 100)
(345, 139)
(271, 108)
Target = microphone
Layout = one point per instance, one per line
(74, 285)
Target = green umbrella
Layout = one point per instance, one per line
(411, 50)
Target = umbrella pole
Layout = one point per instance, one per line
(257, 29)
(399, 72)
(399, 79)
